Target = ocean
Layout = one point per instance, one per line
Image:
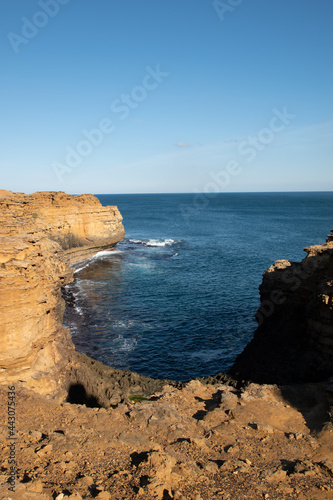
(177, 298)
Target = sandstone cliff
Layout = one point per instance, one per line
(80, 224)
(294, 338)
(40, 235)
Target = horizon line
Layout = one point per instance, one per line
(209, 193)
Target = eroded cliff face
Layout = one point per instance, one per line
(294, 338)
(40, 236)
(80, 224)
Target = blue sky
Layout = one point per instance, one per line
(138, 96)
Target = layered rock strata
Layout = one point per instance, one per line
(40, 236)
(80, 224)
(294, 338)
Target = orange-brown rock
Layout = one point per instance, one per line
(80, 224)
(40, 235)
(294, 339)
(203, 442)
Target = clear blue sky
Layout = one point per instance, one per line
(188, 94)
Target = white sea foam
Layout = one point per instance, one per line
(138, 242)
(128, 345)
(125, 344)
(106, 253)
(80, 268)
(102, 253)
(123, 324)
(162, 242)
(142, 265)
(78, 310)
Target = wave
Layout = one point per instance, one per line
(81, 268)
(123, 324)
(79, 310)
(106, 253)
(162, 242)
(124, 344)
(98, 255)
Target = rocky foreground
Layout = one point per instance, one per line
(200, 442)
(84, 430)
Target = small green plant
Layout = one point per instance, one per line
(35, 216)
(137, 398)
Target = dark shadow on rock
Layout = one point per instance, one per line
(311, 401)
(108, 386)
(199, 415)
(288, 466)
(144, 481)
(138, 458)
(78, 395)
(219, 378)
(210, 405)
(93, 490)
(166, 495)
(182, 440)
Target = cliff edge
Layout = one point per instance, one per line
(294, 339)
(40, 235)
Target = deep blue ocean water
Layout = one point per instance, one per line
(177, 297)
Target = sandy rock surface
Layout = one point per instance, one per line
(200, 442)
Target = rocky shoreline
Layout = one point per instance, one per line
(85, 430)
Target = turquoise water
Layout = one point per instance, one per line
(177, 297)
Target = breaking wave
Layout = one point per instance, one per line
(163, 242)
(103, 253)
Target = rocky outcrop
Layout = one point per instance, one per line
(96, 385)
(41, 235)
(80, 224)
(294, 338)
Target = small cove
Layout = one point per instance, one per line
(177, 298)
